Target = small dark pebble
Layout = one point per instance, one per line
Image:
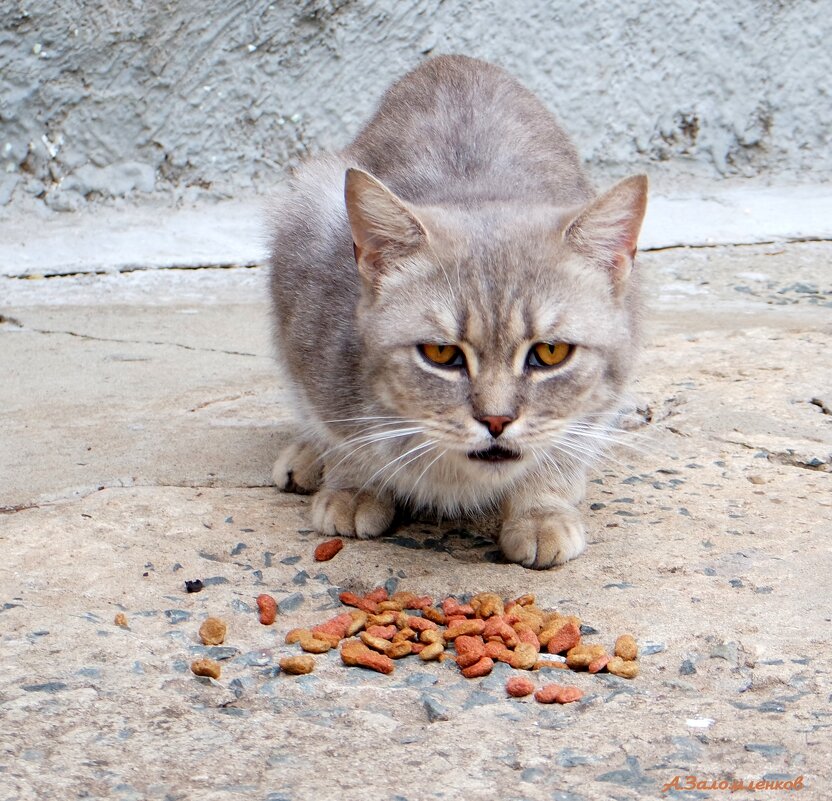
(258, 575)
(763, 590)
(708, 571)
(267, 559)
(650, 648)
(624, 585)
(401, 574)
(290, 602)
(391, 584)
(766, 750)
(214, 580)
(177, 615)
(778, 777)
(194, 586)
(238, 548)
(586, 629)
(176, 567)
(300, 578)
(290, 560)
(687, 668)
(218, 652)
(802, 661)
(736, 583)
(596, 506)
(47, 687)
(434, 709)
(145, 575)
(229, 519)
(210, 556)
(247, 530)
(532, 775)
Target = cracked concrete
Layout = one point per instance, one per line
(140, 414)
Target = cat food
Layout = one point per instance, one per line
(599, 663)
(519, 687)
(120, 620)
(626, 647)
(432, 651)
(297, 665)
(379, 629)
(268, 609)
(327, 550)
(355, 654)
(627, 669)
(565, 638)
(212, 631)
(558, 694)
(481, 668)
(206, 667)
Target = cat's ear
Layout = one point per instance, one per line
(383, 228)
(607, 229)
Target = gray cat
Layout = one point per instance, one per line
(457, 314)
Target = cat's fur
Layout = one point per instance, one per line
(469, 221)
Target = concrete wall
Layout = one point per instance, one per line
(121, 97)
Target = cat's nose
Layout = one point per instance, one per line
(495, 424)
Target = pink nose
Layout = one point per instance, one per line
(495, 424)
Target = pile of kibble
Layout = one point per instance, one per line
(379, 629)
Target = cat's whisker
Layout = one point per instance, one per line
(365, 441)
(424, 471)
(389, 464)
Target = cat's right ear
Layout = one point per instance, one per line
(384, 230)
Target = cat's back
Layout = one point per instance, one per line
(457, 129)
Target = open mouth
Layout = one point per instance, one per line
(495, 453)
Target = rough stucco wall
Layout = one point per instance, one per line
(116, 97)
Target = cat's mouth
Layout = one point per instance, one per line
(496, 453)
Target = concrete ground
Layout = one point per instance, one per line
(139, 416)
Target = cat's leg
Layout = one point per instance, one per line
(540, 531)
(352, 512)
(298, 468)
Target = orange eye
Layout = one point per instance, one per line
(443, 355)
(549, 354)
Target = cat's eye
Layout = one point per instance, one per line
(443, 355)
(549, 354)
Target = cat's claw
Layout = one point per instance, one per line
(350, 513)
(298, 469)
(541, 539)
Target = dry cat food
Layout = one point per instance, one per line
(268, 608)
(381, 628)
(326, 550)
(297, 665)
(206, 667)
(120, 620)
(212, 631)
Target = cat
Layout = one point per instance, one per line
(457, 314)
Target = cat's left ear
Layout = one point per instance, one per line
(607, 229)
(383, 228)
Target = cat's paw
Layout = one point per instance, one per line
(298, 469)
(351, 513)
(541, 539)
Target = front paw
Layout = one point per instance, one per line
(351, 513)
(541, 539)
(298, 469)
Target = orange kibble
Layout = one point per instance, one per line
(519, 686)
(481, 668)
(268, 608)
(326, 550)
(566, 638)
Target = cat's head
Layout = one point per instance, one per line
(505, 332)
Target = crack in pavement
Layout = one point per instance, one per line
(145, 342)
(80, 494)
